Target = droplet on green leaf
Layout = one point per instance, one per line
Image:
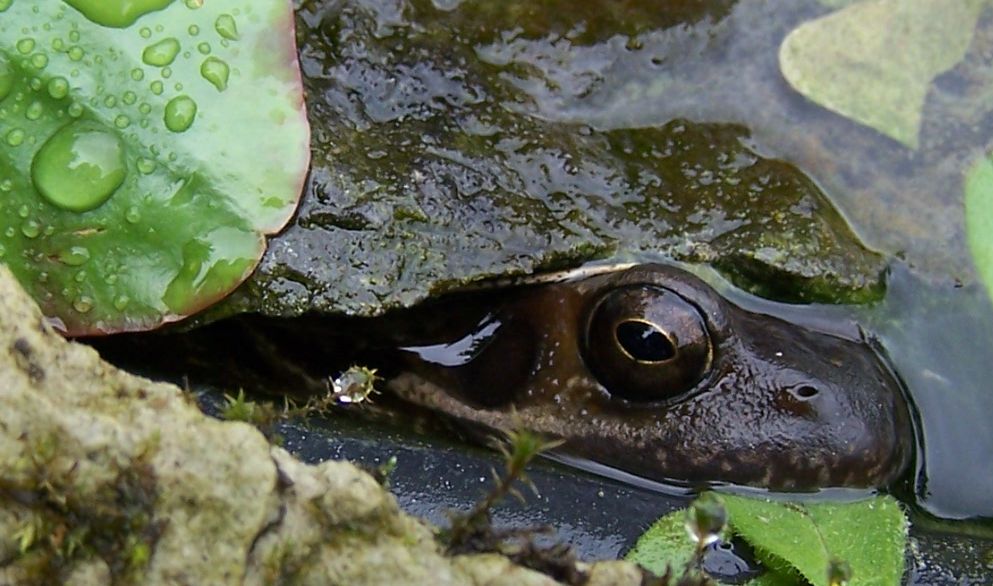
(31, 229)
(226, 27)
(58, 87)
(34, 110)
(25, 45)
(132, 215)
(15, 137)
(39, 61)
(216, 72)
(79, 167)
(83, 303)
(180, 113)
(161, 53)
(116, 13)
(74, 256)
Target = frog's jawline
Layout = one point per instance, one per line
(745, 424)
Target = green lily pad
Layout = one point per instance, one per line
(665, 546)
(873, 61)
(146, 149)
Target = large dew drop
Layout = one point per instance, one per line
(161, 53)
(116, 13)
(179, 113)
(216, 72)
(226, 27)
(80, 166)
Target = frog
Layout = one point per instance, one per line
(651, 371)
(645, 368)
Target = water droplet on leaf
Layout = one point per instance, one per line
(74, 256)
(34, 111)
(83, 304)
(80, 166)
(39, 61)
(180, 113)
(25, 46)
(31, 229)
(58, 87)
(146, 166)
(161, 53)
(15, 137)
(116, 13)
(216, 72)
(226, 27)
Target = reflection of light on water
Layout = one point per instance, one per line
(460, 351)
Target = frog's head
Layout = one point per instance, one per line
(651, 371)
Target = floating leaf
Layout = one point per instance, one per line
(870, 536)
(979, 218)
(873, 61)
(146, 149)
(665, 545)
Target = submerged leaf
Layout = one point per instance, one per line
(979, 218)
(873, 61)
(146, 148)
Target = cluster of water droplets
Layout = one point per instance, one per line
(82, 164)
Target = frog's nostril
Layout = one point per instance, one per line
(804, 392)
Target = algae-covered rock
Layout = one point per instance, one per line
(106, 477)
(431, 169)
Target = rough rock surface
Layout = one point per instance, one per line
(107, 478)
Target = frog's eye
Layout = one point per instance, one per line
(647, 343)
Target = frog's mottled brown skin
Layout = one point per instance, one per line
(780, 406)
(767, 403)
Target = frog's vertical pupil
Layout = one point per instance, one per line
(643, 341)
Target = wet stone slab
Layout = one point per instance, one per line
(431, 171)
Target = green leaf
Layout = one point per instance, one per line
(146, 149)
(795, 541)
(979, 218)
(665, 545)
(873, 61)
(869, 535)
